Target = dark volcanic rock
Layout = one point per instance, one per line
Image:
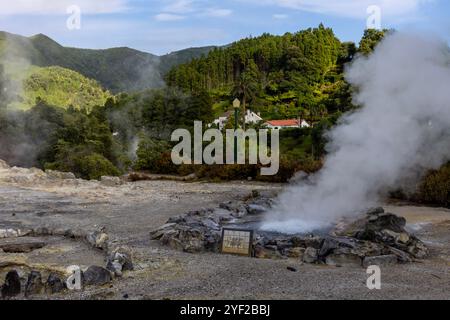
(95, 275)
(54, 284)
(34, 284)
(12, 286)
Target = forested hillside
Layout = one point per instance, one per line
(116, 69)
(59, 87)
(294, 75)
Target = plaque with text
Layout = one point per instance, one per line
(235, 241)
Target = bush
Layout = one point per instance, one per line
(435, 187)
(86, 166)
(155, 156)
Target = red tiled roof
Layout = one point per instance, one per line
(283, 123)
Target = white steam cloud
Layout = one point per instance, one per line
(401, 131)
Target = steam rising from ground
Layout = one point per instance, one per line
(401, 131)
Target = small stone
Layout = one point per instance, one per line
(98, 239)
(95, 275)
(310, 255)
(292, 269)
(380, 260)
(34, 284)
(12, 286)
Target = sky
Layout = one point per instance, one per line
(163, 26)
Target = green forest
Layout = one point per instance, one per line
(62, 120)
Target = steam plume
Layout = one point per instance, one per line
(401, 131)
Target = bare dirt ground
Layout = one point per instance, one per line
(131, 210)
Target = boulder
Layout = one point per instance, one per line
(12, 285)
(296, 253)
(310, 255)
(96, 275)
(54, 284)
(305, 242)
(34, 284)
(343, 258)
(110, 181)
(266, 252)
(380, 260)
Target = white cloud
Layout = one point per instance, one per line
(218, 12)
(168, 17)
(180, 6)
(350, 8)
(279, 16)
(59, 7)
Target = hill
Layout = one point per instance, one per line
(117, 69)
(293, 75)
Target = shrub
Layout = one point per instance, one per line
(435, 187)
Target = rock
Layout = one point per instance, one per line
(330, 244)
(380, 260)
(267, 252)
(158, 233)
(13, 233)
(305, 242)
(402, 256)
(310, 255)
(23, 247)
(110, 181)
(96, 275)
(296, 253)
(52, 174)
(256, 209)
(98, 239)
(54, 284)
(34, 284)
(292, 269)
(120, 260)
(12, 286)
(417, 249)
(343, 258)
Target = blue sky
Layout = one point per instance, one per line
(162, 26)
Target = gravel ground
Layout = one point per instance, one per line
(131, 210)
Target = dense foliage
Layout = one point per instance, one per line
(294, 75)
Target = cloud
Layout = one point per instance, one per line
(280, 16)
(59, 7)
(180, 6)
(168, 17)
(218, 12)
(350, 8)
(197, 8)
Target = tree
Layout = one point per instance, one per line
(247, 86)
(370, 39)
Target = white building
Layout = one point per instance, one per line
(285, 124)
(250, 118)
